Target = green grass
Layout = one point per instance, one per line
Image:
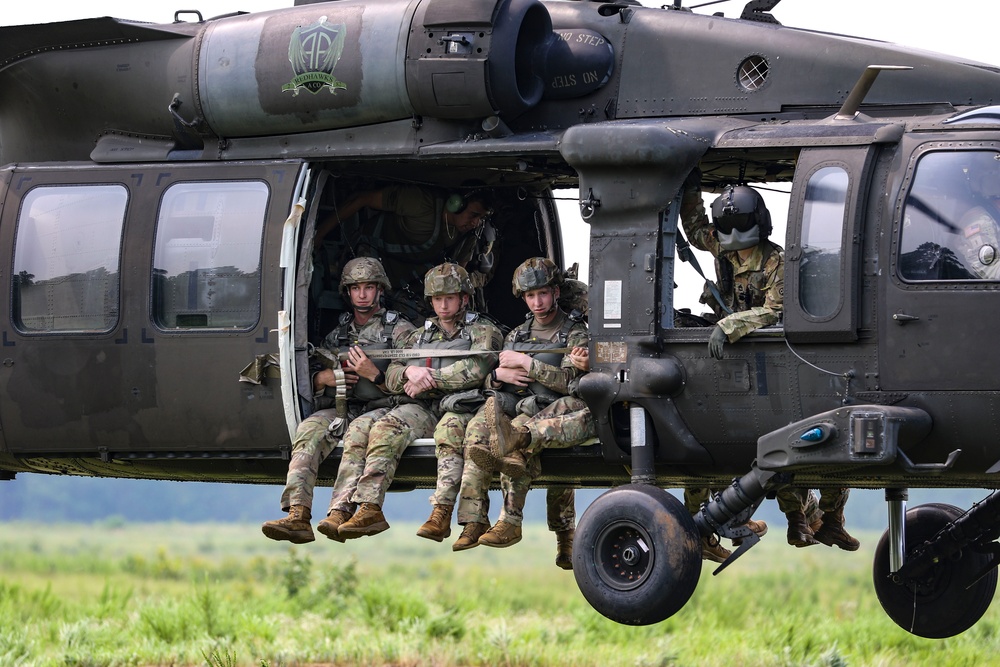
(225, 596)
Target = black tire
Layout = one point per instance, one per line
(637, 555)
(945, 603)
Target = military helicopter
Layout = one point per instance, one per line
(162, 238)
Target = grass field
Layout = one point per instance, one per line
(223, 595)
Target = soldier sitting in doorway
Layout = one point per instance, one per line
(342, 394)
(533, 384)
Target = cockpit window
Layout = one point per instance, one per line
(206, 262)
(822, 241)
(66, 259)
(951, 218)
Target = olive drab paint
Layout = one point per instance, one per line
(162, 186)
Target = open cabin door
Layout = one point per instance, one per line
(138, 294)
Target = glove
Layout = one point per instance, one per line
(716, 341)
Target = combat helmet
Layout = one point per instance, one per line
(573, 295)
(740, 217)
(535, 273)
(363, 270)
(447, 278)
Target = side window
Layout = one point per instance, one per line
(67, 254)
(207, 257)
(951, 218)
(823, 219)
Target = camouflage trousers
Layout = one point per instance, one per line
(449, 447)
(310, 448)
(791, 499)
(474, 500)
(564, 423)
(352, 460)
(387, 438)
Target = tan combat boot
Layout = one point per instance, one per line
(368, 520)
(712, 549)
(501, 535)
(294, 528)
(505, 439)
(470, 536)
(833, 533)
(564, 549)
(438, 526)
(799, 533)
(330, 526)
(759, 527)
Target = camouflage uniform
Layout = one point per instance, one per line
(313, 441)
(758, 286)
(564, 422)
(795, 499)
(410, 236)
(473, 333)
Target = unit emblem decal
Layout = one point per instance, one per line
(314, 51)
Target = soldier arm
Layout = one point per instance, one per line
(739, 324)
(368, 199)
(559, 379)
(695, 222)
(395, 378)
(471, 371)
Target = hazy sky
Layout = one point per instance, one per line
(960, 27)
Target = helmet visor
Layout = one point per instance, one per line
(739, 222)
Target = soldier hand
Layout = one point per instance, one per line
(513, 359)
(716, 341)
(418, 380)
(580, 358)
(358, 362)
(325, 378)
(515, 376)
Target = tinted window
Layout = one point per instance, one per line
(206, 264)
(822, 242)
(950, 218)
(66, 258)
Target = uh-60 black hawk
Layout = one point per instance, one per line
(162, 185)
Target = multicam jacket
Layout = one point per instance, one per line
(450, 373)
(756, 293)
(551, 373)
(383, 330)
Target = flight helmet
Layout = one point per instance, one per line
(740, 217)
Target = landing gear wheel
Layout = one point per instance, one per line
(637, 555)
(945, 602)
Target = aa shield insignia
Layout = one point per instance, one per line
(314, 52)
